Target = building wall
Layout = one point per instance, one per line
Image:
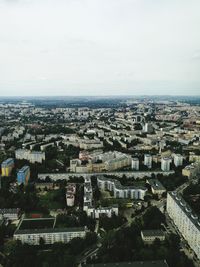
(183, 218)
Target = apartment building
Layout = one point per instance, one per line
(165, 164)
(119, 190)
(7, 166)
(31, 156)
(50, 236)
(185, 219)
(23, 175)
(88, 206)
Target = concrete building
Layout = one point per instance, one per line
(7, 167)
(50, 236)
(10, 214)
(149, 236)
(109, 161)
(185, 219)
(148, 160)
(135, 165)
(31, 156)
(178, 160)
(156, 186)
(88, 204)
(23, 175)
(165, 164)
(119, 190)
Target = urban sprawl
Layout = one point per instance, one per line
(115, 184)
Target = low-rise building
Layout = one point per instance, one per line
(149, 236)
(156, 186)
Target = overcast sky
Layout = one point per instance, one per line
(99, 47)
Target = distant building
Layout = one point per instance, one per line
(148, 160)
(23, 175)
(135, 164)
(178, 160)
(165, 164)
(7, 166)
(149, 236)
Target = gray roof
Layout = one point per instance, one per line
(156, 184)
(152, 233)
(131, 264)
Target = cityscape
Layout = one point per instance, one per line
(99, 133)
(100, 182)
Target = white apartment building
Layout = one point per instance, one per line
(186, 221)
(109, 161)
(88, 203)
(135, 165)
(31, 156)
(165, 164)
(120, 191)
(148, 160)
(50, 236)
(178, 160)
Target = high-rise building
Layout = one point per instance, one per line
(23, 175)
(7, 166)
(178, 160)
(165, 164)
(185, 219)
(135, 164)
(148, 160)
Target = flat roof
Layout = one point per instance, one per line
(131, 264)
(156, 184)
(7, 161)
(50, 230)
(152, 232)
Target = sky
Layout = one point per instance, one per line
(99, 47)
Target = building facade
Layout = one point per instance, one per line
(49, 236)
(7, 167)
(23, 175)
(120, 191)
(186, 221)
